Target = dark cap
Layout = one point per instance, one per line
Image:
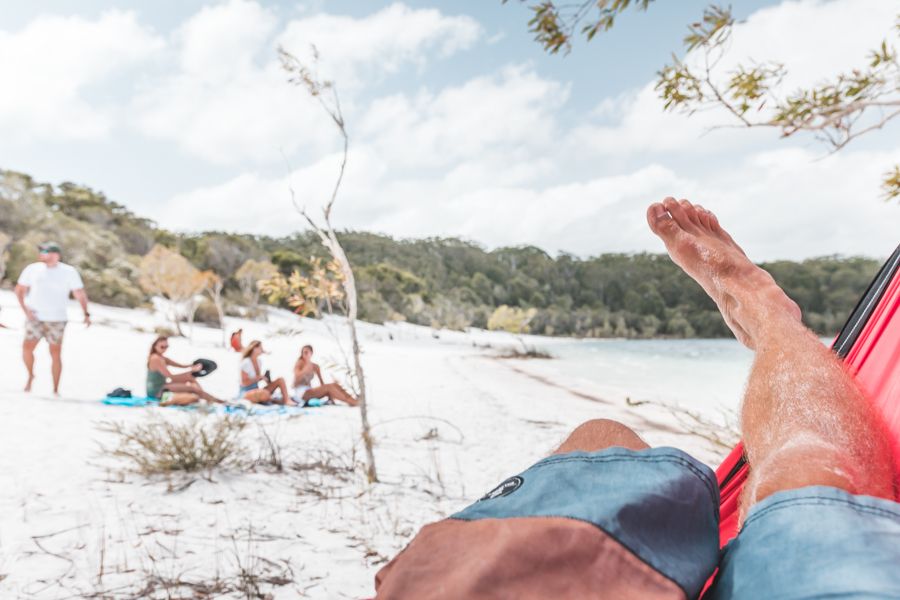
(48, 247)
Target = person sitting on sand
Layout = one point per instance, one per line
(608, 516)
(182, 387)
(252, 374)
(304, 371)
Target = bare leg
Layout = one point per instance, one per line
(598, 434)
(279, 384)
(258, 396)
(332, 391)
(191, 388)
(180, 399)
(804, 420)
(28, 347)
(56, 365)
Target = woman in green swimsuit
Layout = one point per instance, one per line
(183, 386)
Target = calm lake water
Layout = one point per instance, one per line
(705, 375)
(702, 374)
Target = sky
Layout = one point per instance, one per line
(459, 124)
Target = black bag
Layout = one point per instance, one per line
(119, 393)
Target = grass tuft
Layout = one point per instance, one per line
(161, 446)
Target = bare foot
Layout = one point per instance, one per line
(29, 382)
(745, 294)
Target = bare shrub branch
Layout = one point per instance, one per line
(321, 90)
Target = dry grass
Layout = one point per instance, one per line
(326, 474)
(161, 446)
(255, 578)
(722, 433)
(270, 453)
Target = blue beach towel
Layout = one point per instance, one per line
(227, 409)
(133, 401)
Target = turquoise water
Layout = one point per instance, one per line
(707, 375)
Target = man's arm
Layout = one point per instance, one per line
(21, 291)
(82, 298)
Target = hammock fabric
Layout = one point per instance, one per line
(869, 345)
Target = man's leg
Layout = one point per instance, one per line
(817, 518)
(28, 347)
(598, 434)
(803, 419)
(56, 364)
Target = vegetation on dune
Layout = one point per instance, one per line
(442, 282)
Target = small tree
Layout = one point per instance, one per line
(213, 289)
(168, 274)
(306, 293)
(249, 276)
(317, 88)
(512, 319)
(516, 321)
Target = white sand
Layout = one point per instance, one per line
(450, 422)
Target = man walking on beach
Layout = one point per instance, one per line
(43, 291)
(607, 516)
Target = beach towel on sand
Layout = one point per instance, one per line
(869, 344)
(230, 409)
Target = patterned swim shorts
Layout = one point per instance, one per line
(51, 330)
(643, 525)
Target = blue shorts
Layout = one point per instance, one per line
(644, 524)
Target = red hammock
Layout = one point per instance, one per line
(869, 344)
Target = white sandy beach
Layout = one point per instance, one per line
(450, 421)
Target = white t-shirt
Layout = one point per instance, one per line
(49, 288)
(247, 367)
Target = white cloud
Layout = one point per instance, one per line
(778, 203)
(512, 113)
(48, 66)
(230, 102)
(220, 40)
(352, 49)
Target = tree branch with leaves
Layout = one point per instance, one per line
(836, 111)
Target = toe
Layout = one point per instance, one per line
(678, 213)
(716, 228)
(703, 215)
(658, 219)
(690, 211)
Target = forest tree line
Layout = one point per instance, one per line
(439, 282)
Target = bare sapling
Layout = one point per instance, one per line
(214, 287)
(326, 94)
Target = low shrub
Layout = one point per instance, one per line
(160, 445)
